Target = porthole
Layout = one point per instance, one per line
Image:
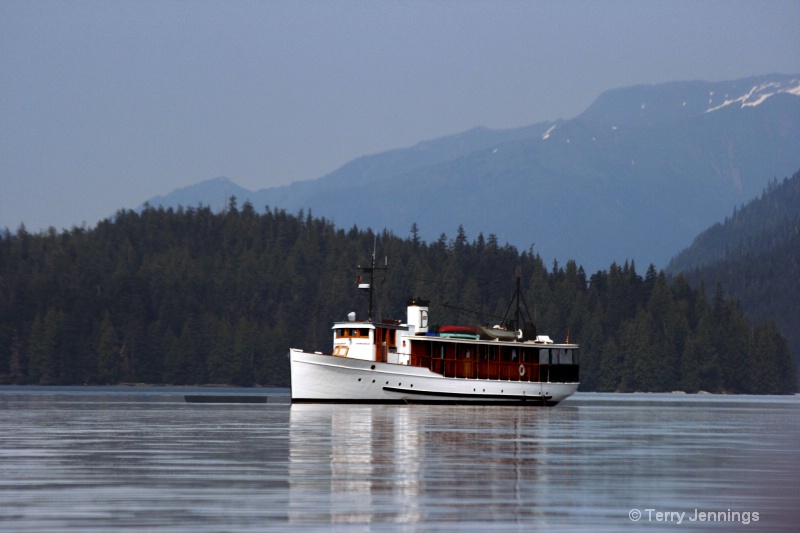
(372, 367)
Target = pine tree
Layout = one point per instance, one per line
(707, 359)
(44, 348)
(18, 361)
(773, 369)
(220, 363)
(611, 364)
(108, 351)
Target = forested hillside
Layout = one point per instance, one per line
(190, 296)
(769, 221)
(755, 256)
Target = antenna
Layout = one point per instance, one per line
(518, 293)
(369, 287)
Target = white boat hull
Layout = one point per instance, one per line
(326, 378)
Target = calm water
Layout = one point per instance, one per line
(97, 459)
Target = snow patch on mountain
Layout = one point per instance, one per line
(758, 94)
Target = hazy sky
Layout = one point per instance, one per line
(106, 104)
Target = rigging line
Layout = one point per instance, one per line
(421, 279)
(472, 311)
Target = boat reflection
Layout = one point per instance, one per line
(341, 455)
(363, 464)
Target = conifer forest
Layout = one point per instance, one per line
(191, 296)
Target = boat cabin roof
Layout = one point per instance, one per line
(540, 342)
(393, 324)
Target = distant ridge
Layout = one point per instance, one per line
(634, 177)
(214, 193)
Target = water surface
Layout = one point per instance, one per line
(133, 458)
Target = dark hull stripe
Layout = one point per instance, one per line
(532, 401)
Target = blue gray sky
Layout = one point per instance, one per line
(105, 104)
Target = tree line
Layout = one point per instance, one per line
(190, 296)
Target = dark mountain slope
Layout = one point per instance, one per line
(348, 181)
(588, 191)
(752, 230)
(755, 257)
(636, 176)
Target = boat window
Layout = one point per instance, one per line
(527, 356)
(544, 356)
(508, 354)
(463, 352)
(570, 357)
(565, 356)
(483, 353)
(362, 333)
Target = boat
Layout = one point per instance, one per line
(410, 361)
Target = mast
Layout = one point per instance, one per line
(517, 294)
(521, 306)
(369, 287)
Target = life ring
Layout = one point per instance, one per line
(521, 370)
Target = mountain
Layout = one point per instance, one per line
(755, 257)
(360, 172)
(635, 176)
(214, 193)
